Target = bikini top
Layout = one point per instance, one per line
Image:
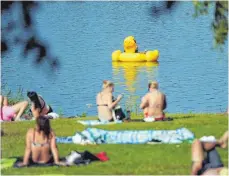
(101, 99)
(37, 144)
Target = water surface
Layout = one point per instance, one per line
(84, 34)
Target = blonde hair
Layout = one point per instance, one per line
(153, 85)
(107, 83)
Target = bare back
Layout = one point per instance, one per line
(156, 102)
(102, 101)
(40, 147)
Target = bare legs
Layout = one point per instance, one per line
(3, 101)
(19, 108)
(198, 149)
(197, 156)
(223, 141)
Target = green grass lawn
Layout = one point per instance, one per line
(126, 158)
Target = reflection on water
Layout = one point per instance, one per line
(130, 71)
(129, 76)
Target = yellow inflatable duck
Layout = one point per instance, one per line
(131, 53)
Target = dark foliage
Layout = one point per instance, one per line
(30, 41)
(220, 21)
(165, 7)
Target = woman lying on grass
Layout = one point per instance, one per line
(11, 113)
(40, 143)
(211, 164)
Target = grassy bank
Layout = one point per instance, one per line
(124, 159)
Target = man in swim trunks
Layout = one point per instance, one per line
(153, 103)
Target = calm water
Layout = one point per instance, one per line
(84, 34)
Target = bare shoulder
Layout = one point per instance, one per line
(30, 132)
(52, 133)
(109, 94)
(162, 93)
(146, 96)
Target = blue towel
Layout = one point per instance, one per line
(97, 122)
(65, 140)
(100, 136)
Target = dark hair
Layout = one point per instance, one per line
(34, 98)
(44, 125)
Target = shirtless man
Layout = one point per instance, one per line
(153, 103)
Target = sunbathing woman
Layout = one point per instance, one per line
(105, 102)
(14, 112)
(41, 144)
(153, 103)
(211, 164)
(39, 107)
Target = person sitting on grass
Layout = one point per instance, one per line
(211, 164)
(153, 103)
(13, 112)
(105, 102)
(41, 145)
(38, 107)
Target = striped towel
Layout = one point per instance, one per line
(97, 122)
(100, 136)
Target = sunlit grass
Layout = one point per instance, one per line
(125, 158)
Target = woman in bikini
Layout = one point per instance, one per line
(105, 102)
(14, 112)
(41, 144)
(153, 103)
(39, 108)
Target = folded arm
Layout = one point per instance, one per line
(111, 104)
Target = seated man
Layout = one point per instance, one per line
(211, 164)
(153, 103)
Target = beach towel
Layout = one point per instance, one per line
(97, 122)
(7, 162)
(100, 136)
(83, 158)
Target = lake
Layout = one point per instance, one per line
(83, 35)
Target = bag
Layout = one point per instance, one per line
(119, 114)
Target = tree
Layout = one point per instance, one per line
(28, 37)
